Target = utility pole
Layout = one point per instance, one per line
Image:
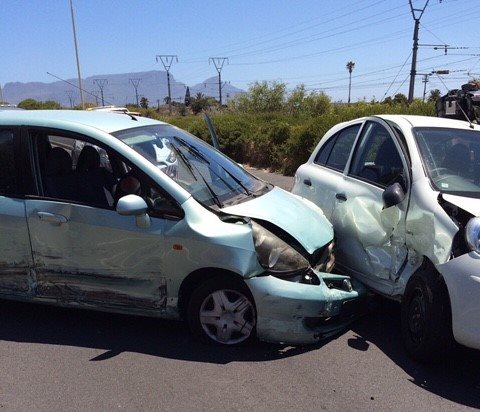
(218, 63)
(101, 84)
(425, 81)
(69, 94)
(413, 70)
(167, 60)
(76, 54)
(1, 95)
(135, 83)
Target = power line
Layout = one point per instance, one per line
(101, 84)
(135, 83)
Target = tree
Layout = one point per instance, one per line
(350, 66)
(144, 102)
(29, 104)
(434, 95)
(187, 100)
(400, 98)
(200, 102)
(262, 97)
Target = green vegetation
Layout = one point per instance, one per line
(268, 127)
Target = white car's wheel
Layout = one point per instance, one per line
(221, 311)
(426, 317)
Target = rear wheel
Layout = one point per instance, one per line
(426, 317)
(222, 311)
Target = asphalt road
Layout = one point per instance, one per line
(71, 360)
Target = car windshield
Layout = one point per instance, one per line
(451, 158)
(212, 178)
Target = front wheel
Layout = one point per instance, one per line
(222, 311)
(426, 317)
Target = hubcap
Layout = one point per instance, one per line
(416, 317)
(227, 316)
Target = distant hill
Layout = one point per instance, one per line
(118, 89)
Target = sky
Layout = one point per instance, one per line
(295, 42)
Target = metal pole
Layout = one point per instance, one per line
(218, 63)
(167, 60)
(413, 70)
(76, 54)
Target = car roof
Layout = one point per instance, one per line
(428, 121)
(102, 120)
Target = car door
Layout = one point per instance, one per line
(84, 251)
(15, 252)
(319, 179)
(371, 237)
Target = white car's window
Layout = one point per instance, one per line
(451, 158)
(336, 151)
(8, 183)
(376, 158)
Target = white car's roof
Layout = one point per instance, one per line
(427, 121)
(102, 120)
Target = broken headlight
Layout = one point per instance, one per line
(472, 234)
(274, 254)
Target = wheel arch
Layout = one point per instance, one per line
(195, 279)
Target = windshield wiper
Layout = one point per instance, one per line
(190, 167)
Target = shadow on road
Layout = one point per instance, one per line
(456, 377)
(115, 333)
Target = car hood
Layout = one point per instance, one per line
(469, 204)
(299, 217)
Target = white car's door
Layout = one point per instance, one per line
(319, 179)
(370, 237)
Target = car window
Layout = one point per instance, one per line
(75, 170)
(8, 182)
(336, 151)
(376, 158)
(451, 158)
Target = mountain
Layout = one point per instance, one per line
(118, 89)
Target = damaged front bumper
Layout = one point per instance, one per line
(297, 314)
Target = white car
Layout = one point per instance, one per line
(403, 195)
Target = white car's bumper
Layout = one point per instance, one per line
(462, 276)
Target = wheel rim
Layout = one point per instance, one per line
(227, 316)
(416, 317)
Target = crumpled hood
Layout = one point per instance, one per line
(469, 204)
(301, 218)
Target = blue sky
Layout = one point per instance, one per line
(297, 41)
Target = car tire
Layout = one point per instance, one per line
(222, 311)
(426, 317)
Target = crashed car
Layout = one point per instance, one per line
(233, 255)
(403, 195)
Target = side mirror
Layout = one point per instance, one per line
(133, 205)
(393, 195)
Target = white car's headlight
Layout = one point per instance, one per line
(472, 234)
(274, 254)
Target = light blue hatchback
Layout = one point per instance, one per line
(91, 218)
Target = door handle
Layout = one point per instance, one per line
(51, 217)
(341, 196)
(307, 182)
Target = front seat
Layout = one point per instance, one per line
(59, 181)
